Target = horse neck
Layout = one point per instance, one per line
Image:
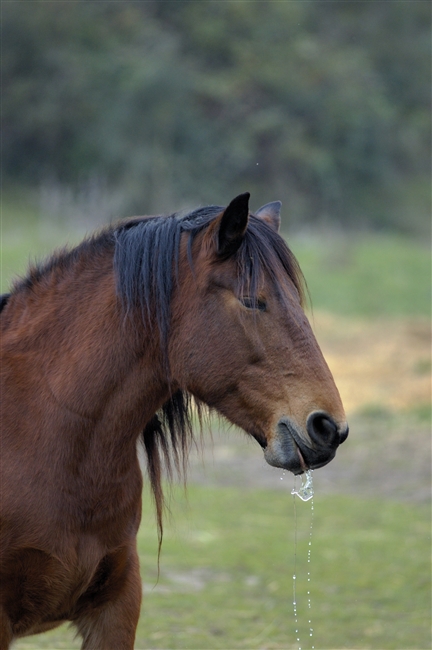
(99, 376)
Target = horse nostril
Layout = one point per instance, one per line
(323, 429)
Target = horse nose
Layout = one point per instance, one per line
(323, 429)
(343, 433)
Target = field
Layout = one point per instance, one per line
(229, 550)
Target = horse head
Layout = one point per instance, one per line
(240, 340)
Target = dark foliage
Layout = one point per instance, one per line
(322, 105)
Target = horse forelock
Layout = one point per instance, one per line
(264, 251)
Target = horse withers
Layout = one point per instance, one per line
(123, 338)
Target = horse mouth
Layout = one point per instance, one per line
(288, 450)
(301, 459)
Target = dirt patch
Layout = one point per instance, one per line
(383, 458)
(385, 363)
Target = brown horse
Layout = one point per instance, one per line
(112, 341)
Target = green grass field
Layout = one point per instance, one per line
(364, 578)
(228, 554)
(228, 561)
(366, 275)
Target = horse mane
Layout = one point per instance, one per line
(4, 300)
(146, 261)
(146, 264)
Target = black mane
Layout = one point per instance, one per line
(146, 261)
(3, 300)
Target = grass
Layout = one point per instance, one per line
(377, 576)
(367, 275)
(26, 237)
(227, 566)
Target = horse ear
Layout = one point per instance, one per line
(233, 225)
(270, 213)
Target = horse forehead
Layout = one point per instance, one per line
(230, 274)
(201, 261)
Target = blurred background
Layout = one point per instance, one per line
(117, 108)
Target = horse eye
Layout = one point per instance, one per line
(253, 303)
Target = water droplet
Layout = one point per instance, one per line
(305, 491)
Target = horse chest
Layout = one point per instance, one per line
(43, 590)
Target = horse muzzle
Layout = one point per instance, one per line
(291, 450)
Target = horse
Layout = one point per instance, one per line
(121, 339)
